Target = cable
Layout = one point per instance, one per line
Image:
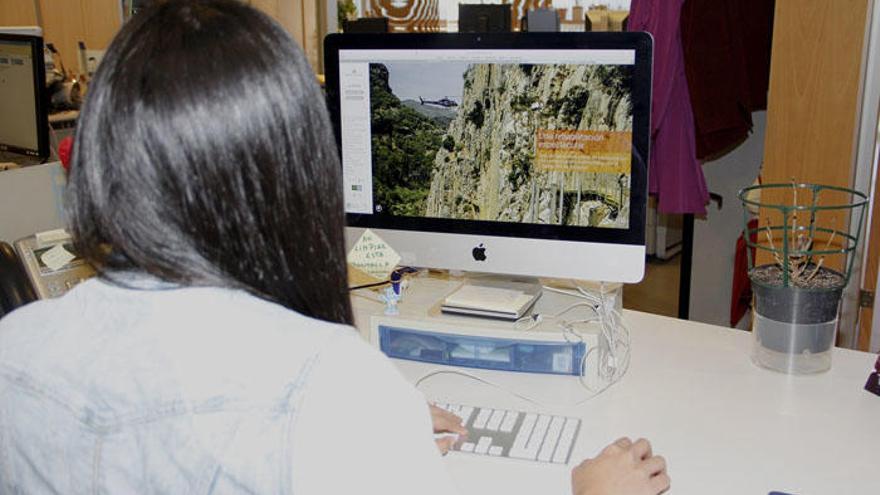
(370, 286)
(529, 322)
(397, 276)
(465, 374)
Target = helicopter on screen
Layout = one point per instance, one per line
(442, 102)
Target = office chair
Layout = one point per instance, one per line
(15, 288)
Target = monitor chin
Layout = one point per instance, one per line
(514, 256)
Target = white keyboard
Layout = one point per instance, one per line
(517, 435)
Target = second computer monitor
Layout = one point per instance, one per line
(24, 126)
(484, 18)
(518, 154)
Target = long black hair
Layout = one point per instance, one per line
(204, 156)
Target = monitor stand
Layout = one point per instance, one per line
(493, 296)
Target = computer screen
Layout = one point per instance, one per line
(24, 123)
(509, 153)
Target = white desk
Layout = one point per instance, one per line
(724, 425)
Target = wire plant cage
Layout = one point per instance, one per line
(801, 254)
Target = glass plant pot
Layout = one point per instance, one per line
(795, 327)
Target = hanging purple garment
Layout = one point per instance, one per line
(675, 174)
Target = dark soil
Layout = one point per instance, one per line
(825, 279)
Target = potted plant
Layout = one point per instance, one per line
(797, 292)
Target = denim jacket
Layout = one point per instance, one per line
(197, 390)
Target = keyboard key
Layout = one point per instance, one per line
(482, 418)
(495, 420)
(546, 452)
(509, 421)
(565, 441)
(537, 438)
(467, 447)
(483, 445)
(465, 414)
(495, 450)
(518, 449)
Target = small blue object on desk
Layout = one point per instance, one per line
(390, 297)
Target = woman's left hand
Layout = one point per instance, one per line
(446, 422)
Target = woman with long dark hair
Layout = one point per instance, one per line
(214, 353)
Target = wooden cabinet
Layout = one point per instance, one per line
(813, 105)
(816, 82)
(815, 79)
(18, 13)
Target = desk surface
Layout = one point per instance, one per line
(724, 424)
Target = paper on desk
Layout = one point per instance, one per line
(57, 257)
(372, 255)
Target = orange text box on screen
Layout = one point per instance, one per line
(583, 151)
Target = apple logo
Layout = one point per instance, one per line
(479, 253)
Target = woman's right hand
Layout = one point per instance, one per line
(622, 468)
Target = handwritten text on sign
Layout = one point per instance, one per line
(373, 255)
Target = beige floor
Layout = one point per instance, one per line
(658, 291)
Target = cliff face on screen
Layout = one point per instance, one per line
(546, 144)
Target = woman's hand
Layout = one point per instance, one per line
(622, 468)
(446, 422)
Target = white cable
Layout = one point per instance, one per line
(510, 391)
(529, 322)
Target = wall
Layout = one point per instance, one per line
(18, 13)
(875, 329)
(715, 236)
(95, 22)
(869, 138)
(301, 19)
(66, 22)
(30, 200)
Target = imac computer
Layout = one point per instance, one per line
(518, 154)
(24, 126)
